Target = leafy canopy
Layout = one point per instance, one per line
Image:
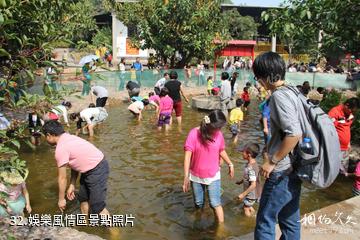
(301, 21)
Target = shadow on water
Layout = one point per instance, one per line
(146, 179)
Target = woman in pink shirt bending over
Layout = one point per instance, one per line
(165, 108)
(204, 147)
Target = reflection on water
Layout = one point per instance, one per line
(146, 179)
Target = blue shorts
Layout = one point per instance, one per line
(249, 202)
(234, 129)
(213, 190)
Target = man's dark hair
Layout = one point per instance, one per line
(353, 103)
(92, 105)
(245, 89)
(269, 66)
(224, 76)
(53, 127)
(173, 75)
(166, 74)
(239, 102)
(320, 90)
(253, 149)
(306, 83)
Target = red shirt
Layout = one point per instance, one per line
(245, 96)
(342, 124)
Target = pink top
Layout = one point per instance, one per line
(12, 192)
(154, 98)
(205, 159)
(357, 176)
(166, 104)
(78, 153)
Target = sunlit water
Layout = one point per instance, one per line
(146, 174)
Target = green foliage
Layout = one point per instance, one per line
(29, 29)
(103, 36)
(81, 24)
(240, 27)
(300, 22)
(332, 99)
(188, 27)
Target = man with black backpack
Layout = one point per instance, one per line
(281, 192)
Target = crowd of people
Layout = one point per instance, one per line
(205, 148)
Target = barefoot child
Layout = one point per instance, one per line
(154, 100)
(165, 109)
(137, 107)
(236, 116)
(14, 196)
(245, 96)
(250, 180)
(204, 147)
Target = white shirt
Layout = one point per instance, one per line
(99, 91)
(122, 67)
(89, 113)
(61, 111)
(225, 91)
(161, 83)
(206, 181)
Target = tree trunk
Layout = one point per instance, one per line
(185, 59)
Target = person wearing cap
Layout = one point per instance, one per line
(81, 157)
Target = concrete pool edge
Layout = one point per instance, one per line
(324, 224)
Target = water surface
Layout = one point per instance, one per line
(146, 173)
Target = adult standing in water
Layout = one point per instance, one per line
(84, 158)
(86, 70)
(101, 94)
(161, 83)
(280, 197)
(122, 69)
(138, 70)
(225, 93)
(175, 92)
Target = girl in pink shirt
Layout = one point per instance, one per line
(204, 147)
(165, 108)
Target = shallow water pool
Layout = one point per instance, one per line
(146, 174)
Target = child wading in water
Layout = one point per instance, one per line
(137, 107)
(236, 116)
(165, 109)
(251, 180)
(245, 96)
(204, 147)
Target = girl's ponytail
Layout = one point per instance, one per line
(215, 121)
(205, 130)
